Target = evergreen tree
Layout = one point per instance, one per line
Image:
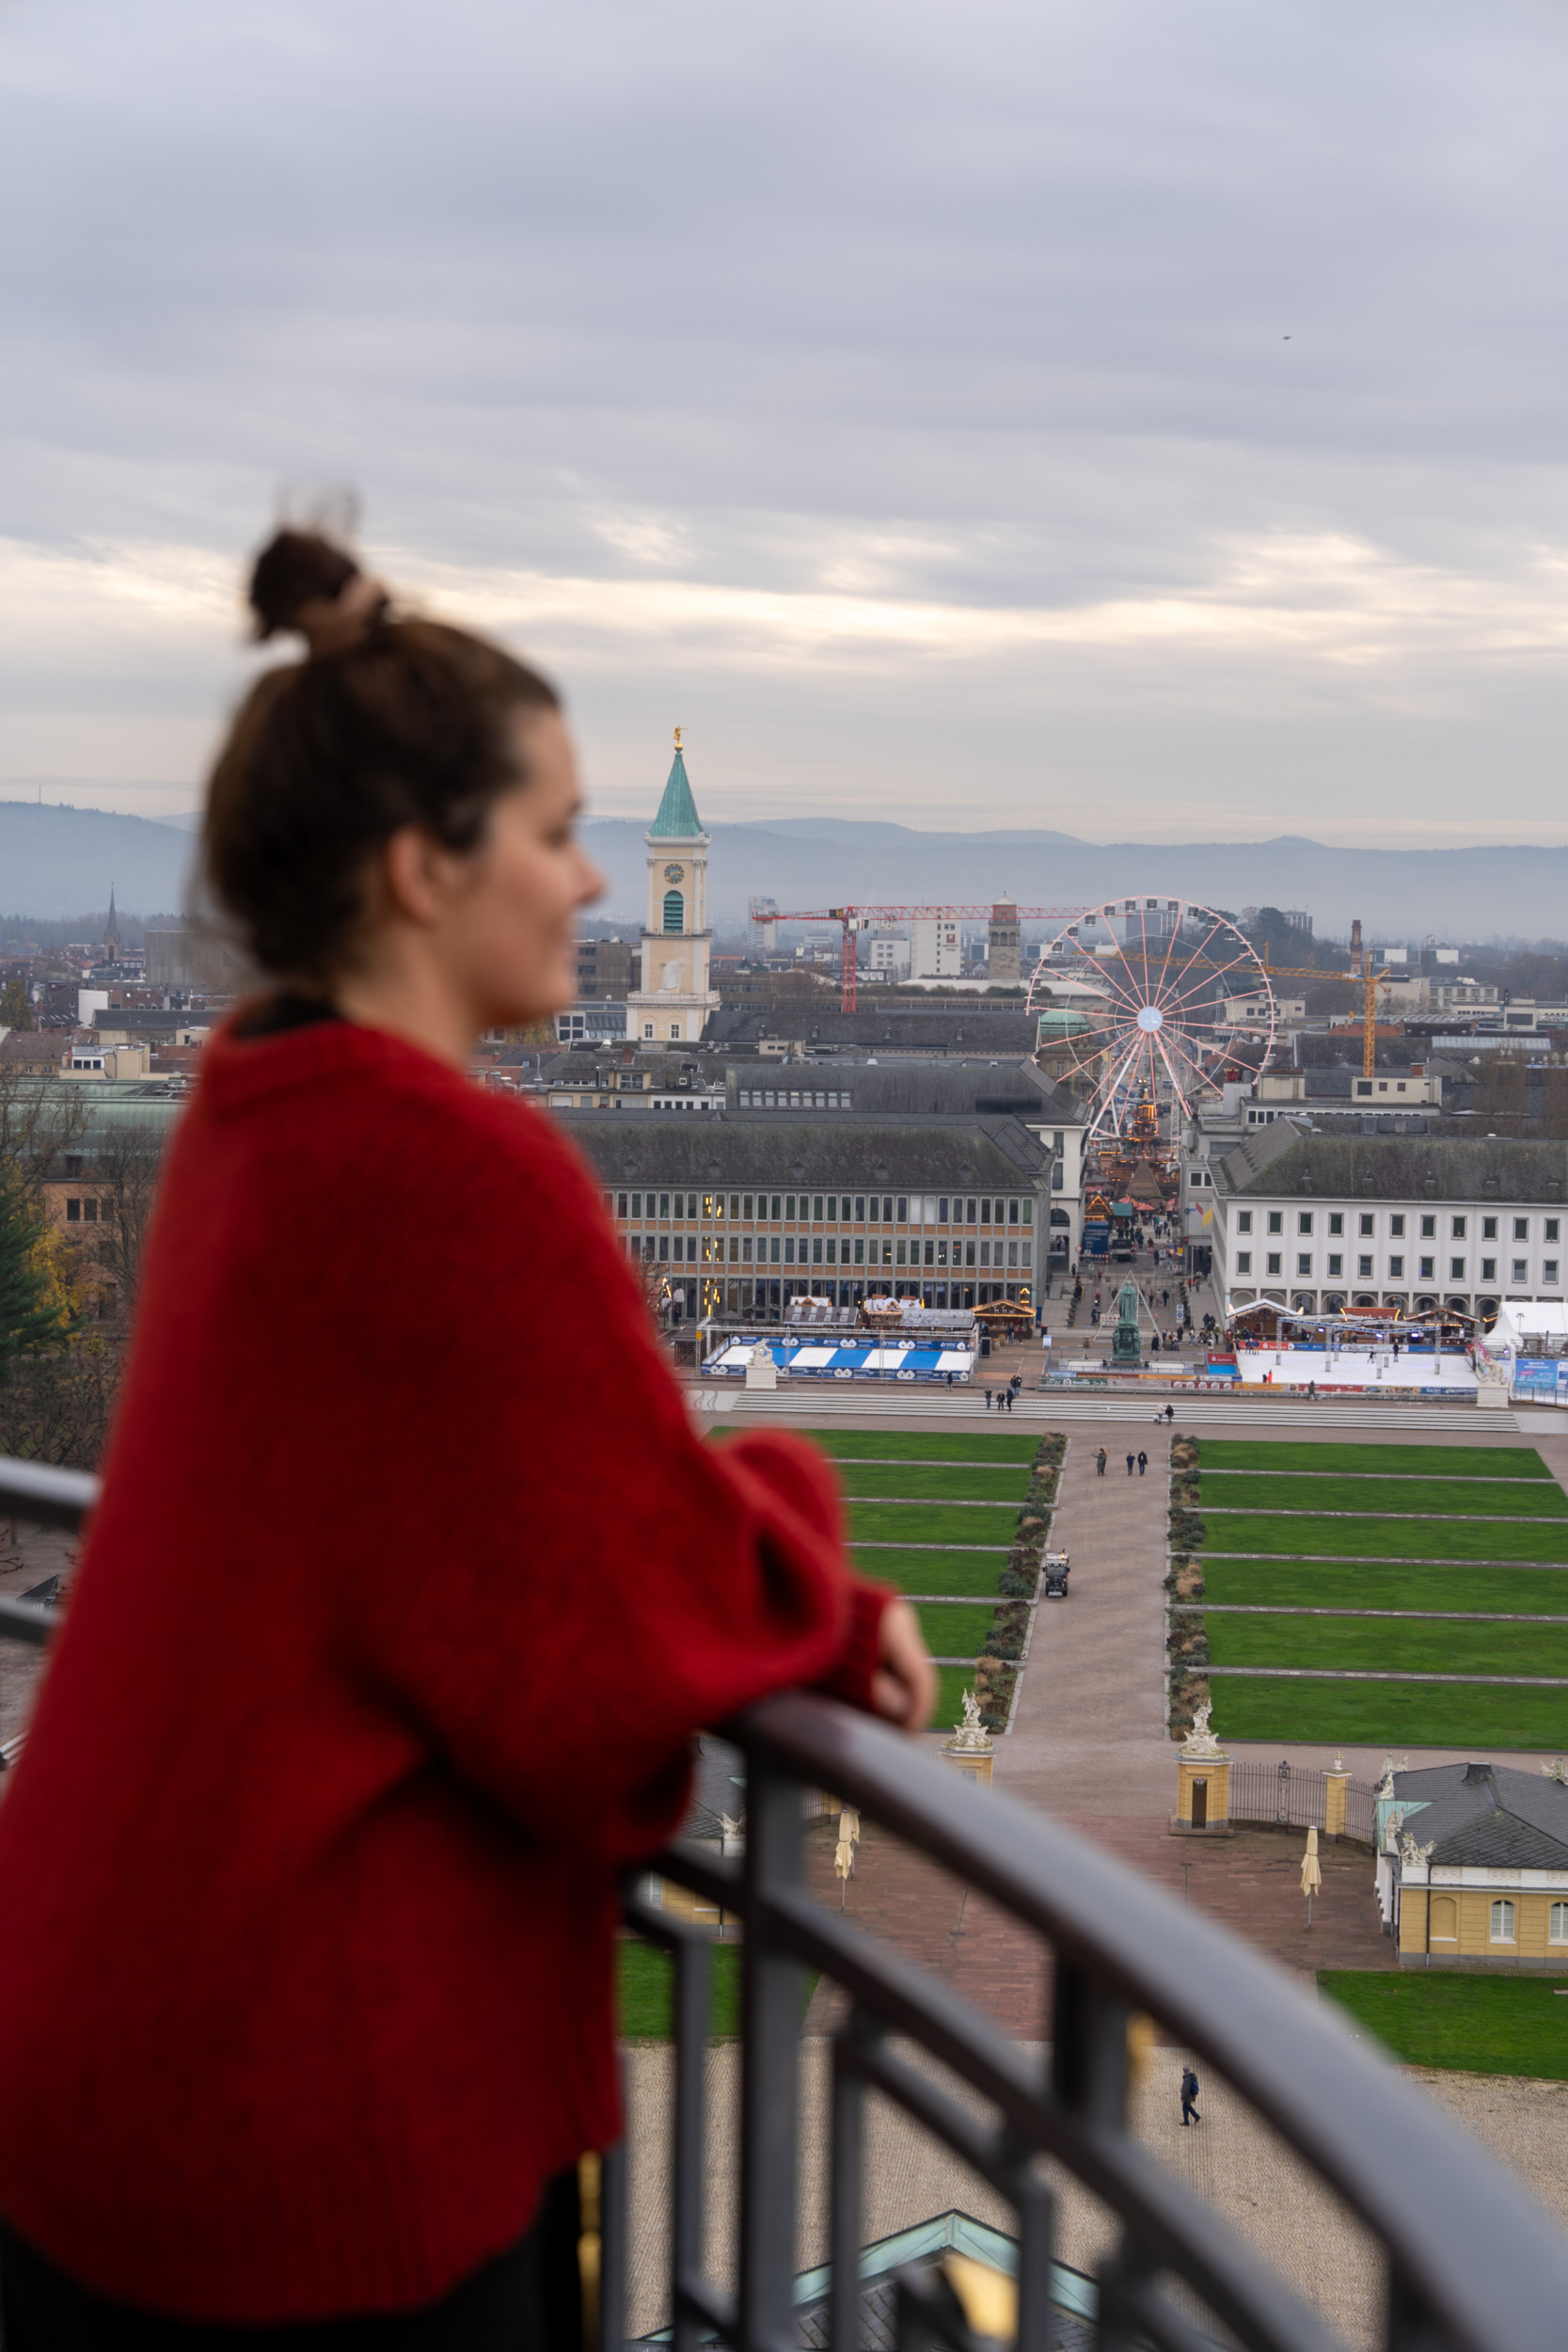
(16, 1010)
(27, 1319)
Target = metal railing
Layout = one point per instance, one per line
(1471, 2263)
(1296, 1797)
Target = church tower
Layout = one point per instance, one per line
(672, 1005)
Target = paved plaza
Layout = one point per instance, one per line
(1090, 1745)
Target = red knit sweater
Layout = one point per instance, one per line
(410, 1580)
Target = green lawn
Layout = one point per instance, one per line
(953, 1632)
(1514, 1498)
(1261, 1532)
(968, 1445)
(932, 1571)
(939, 1523)
(1434, 1461)
(1007, 1482)
(1360, 1584)
(1476, 2023)
(1410, 1646)
(646, 1990)
(1476, 1715)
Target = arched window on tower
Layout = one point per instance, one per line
(674, 910)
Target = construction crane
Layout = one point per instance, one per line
(860, 918)
(1367, 981)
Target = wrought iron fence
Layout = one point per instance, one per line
(1471, 2265)
(1293, 1796)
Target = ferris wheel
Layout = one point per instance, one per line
(1142, 1005)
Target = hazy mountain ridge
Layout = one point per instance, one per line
(58, 860)
(803, 863)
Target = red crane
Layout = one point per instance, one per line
(860, 918)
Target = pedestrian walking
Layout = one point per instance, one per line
(1189, 2097)
(339, 2074)
(1100, 1461)
(1143, 1461)
(1130, 1462)
(988, 1400)
(1170, 1413)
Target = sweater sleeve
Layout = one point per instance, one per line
(569, 1579)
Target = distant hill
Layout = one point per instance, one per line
(810, 862)
(59, 861)
(62, 860)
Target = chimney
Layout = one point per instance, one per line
(1477, 1775)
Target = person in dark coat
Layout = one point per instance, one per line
(1143, 1461)
(1129, 1461)
(1189, 2097)
(1100, 1460)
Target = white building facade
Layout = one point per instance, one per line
(1317, 1222)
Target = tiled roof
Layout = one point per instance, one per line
(767, 1148)
(1486, 1814)
(1282, 1159)
(875, 1028)
(1004, 1088)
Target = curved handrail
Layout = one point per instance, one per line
(1467, 2246)
(1458, 2231)
(53, 1498)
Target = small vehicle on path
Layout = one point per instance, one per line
(1057, 1566)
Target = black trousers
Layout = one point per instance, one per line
(526, 2300)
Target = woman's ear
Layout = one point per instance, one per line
(420, 876)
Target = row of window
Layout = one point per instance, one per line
(1426, 1269)
(682, 1249)
(1551, 1226)
(89, 1211)
(833, 1208)
(1504, 1929)
(795, 1099)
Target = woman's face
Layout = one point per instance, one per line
(510, 930)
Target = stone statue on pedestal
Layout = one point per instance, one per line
(1200, 1740)
(1126, 1347)
(972, 1732)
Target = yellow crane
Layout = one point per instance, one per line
(1369, 981)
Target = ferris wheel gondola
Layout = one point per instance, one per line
(1143, 1003)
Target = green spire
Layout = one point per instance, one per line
(677, 818)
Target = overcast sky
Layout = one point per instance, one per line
(1145, 419)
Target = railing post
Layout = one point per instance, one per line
(1089, 2048)
(770, 2079)
(849, 2139)
(693, 1977)
(612, 2249)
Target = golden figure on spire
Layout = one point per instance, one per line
(677, 739)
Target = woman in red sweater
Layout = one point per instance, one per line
(410, 1581)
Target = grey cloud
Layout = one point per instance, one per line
(982, 306)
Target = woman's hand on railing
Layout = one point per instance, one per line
(903, 1686)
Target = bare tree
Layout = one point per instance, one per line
(56, 1406)
(40, 1118)
(125, 1184)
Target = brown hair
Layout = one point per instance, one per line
(327, 759)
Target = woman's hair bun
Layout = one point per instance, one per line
(297, 568)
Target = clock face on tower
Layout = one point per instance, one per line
(673, 873)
